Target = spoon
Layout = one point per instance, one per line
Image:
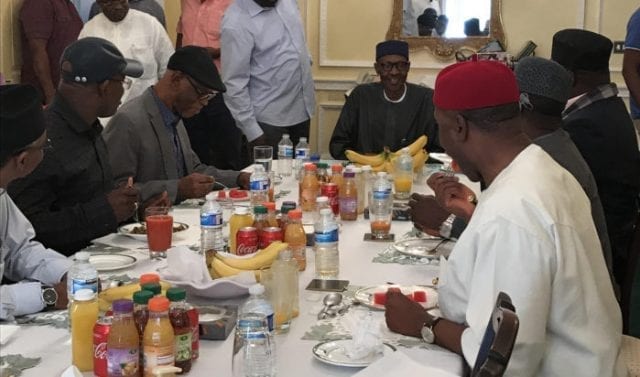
(332, 299)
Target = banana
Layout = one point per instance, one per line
(106, 297)
(262, 258)
(356, 157)
(219, 269)
(417, 145)
(419, 160)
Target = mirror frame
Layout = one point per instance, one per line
(445, 48)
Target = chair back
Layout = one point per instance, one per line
(498, 340)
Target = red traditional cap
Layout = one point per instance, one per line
(474, 85)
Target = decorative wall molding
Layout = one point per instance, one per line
(335, 85)
(322, 146)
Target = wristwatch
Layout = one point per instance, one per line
(427, 330)
(445, 227)
(49, 297)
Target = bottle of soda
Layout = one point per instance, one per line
(285, 155)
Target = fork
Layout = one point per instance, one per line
(433, 249)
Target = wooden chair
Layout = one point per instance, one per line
(498, 340)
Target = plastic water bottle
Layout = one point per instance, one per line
(326, 245)
(302, 155)
(254, 353)
(259, 185)
(403, 175)
(257, 303)
(211, 239)
(381, 206)
(285, 155)
(321, 202)
(81, 275)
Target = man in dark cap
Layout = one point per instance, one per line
(147, 140)
(22, 142)
(391, 113)
(71, 198)
(531, 236)
(427, 22)
(600, 126)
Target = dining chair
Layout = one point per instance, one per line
(498, 340)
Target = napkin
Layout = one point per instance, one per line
(399, 364)
(366, 338)
(72, 371)
(187, 268)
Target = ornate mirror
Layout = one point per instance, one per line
(445, 26)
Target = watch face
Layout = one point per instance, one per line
(49, 296)
(427, 335)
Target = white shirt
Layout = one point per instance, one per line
(138, 36)
(23, 258)
(532, 236)
(266, 66)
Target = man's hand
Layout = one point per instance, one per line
(426, 214)
(404, 316)
(243, 180)
(195, 185)
(61, 290)
(123, 201)
(452, 195)
(261, 140)
(160, 200)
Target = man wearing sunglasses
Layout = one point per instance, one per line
(391, 113)
(147, 139)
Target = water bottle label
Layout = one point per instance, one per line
(302, 153)
(249, 324)
(381, 194)
(78, 284)
(259, 185)
(285, 151)
(327, 236)
(211, 219)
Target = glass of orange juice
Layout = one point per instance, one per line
(159, 231)
(402, 184)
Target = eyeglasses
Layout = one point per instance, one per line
(126, 82)
(203, 95)
(400, 66)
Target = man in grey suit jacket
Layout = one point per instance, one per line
(147, 140)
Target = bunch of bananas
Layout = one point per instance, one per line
(108, 296)
(385, 160)
(225, 264)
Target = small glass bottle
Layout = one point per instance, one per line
(348, 197)
(181, 328)
(309, 188)
(271, 213)
(141, 316)
(323, 173)
(296, 237)
(336, 175)
(260, 219)
(403, 175)
(241, 218)
(158, 340)
(123, 342)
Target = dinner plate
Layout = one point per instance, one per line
(431, 248)
(127, 230)
(111, 262)
(365, 295)
(334, 352)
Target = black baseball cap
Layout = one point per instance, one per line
(95, 60)
(196, 62)
(21, 118)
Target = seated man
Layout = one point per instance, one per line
(151, 7)
(147, 140)
(22, 144)
(531, 236)
(391, 113)
(71, 198)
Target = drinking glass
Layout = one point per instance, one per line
(263, 155)
(159, 231)
(253, 347)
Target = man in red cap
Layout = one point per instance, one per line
(531, 236)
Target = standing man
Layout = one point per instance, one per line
(47, 27)
(70, 198)
(599, 125)
(631, 67)
(22, 146)
(150, 7)
(212, 132)
(266, 67)
(137, 35)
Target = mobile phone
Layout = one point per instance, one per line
(328, 285)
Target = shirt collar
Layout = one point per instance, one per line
(601, 92)
(75, 122)
(254, 9)
(168, 116)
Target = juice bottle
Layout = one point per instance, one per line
(271, 213)
(123, 343)
(309, 188)
(84, 314)
(348, 197)
(158, 337)
(403, 174)
(141, 315)
(241, 218)
(336, 175)
(284, 212)
(260, 219)
(181, 328)
(323, 173)
(296, 238)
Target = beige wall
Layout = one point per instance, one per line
(342, 35)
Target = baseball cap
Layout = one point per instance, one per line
(94, 60)
(196, 62)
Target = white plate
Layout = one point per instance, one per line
(365, 295)
(333, 352)
(424, 247)
(126, 230)
(111, 262)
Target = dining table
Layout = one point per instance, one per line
(42, 343)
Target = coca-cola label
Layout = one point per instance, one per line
(100, 351)
(246, 249)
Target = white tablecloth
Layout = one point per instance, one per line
(294, 355)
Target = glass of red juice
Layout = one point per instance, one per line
(159, 231)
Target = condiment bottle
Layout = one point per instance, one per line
(296, 238)
(348, 197)
(181, 328)
(158, 341)
(241, 218)
(123, 343)
(84, 314)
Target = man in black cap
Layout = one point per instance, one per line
(391, 113)
(147, 140)
(22, 142)
(71, 198)
(600, 126)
